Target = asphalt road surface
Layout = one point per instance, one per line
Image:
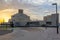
(32, 34)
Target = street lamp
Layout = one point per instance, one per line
(56, 17)
(56, 6)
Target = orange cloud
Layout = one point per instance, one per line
(6, 14)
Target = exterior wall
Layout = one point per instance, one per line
(19, 23)
(54, 19)
(51, 18)
(33, 23)
(20, 19)
(47, 18)
(42, 23)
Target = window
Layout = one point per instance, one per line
(48, 23)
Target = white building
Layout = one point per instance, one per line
(51, 19)
(20, 19)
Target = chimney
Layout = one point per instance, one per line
(20, 11)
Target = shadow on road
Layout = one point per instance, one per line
(3, 32)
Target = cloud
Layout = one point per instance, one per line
(38, 7)
(54, 1)
(35, 6)
(32, 1)
(32, 15)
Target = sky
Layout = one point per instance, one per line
(33, 5)
(38, 8)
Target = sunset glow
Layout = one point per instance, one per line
(6, 14)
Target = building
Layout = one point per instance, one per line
(42, 23)
(50, 20)
(20, 19)
(33, 24)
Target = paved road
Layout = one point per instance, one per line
(32, 34)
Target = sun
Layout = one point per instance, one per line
(1, 20)
(6, 19)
